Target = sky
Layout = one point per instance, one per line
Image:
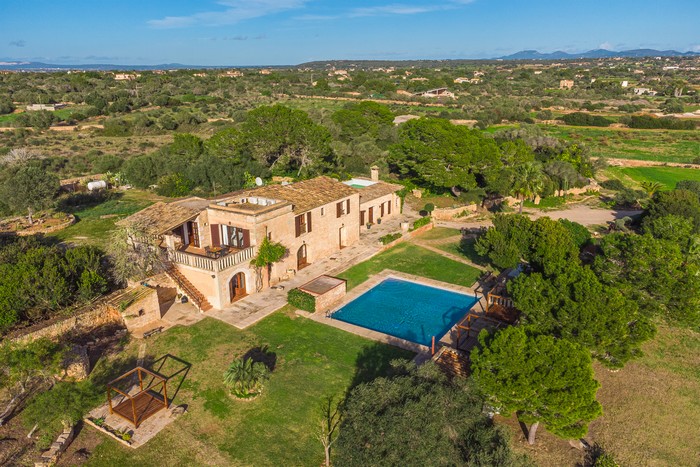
(288, 32)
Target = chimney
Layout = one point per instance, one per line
(374, 173)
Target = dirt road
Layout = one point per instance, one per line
(582, 214)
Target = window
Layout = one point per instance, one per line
(342, 208)
(235, 237)
(302, 223)
(323, 211)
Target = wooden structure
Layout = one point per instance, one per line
(467, 325)
(135, 408)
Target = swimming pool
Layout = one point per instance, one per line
(407, 310)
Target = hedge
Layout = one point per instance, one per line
(302, 300)
(421, 222)
(386, 239)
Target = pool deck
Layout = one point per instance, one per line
(423, 352)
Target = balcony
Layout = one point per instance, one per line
(211, 261)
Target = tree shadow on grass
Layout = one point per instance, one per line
(262, 354)
(375, 361)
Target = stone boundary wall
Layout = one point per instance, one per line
(327, 300)
(85, 321)
(70, 221)
(406, 236)
(448, 214)
(50, 457)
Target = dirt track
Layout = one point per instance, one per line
(582, 214)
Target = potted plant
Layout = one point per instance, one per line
(369, 225)
(379, 220)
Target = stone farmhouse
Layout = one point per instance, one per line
(210, 243)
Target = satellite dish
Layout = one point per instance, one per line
(258, 181)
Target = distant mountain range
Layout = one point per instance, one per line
(597, 53)
(19, 65)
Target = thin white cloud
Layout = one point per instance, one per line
(234, 11)
(388, 10)
(394, 9)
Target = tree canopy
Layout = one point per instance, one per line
(436, 153)
(575, 305)
(541, 378)
(418, 417)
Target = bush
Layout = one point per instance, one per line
(302, 300)
(585, 119)
(579, 233)
(386, 239)
(421, 222)
(649, 122)
(429, 208)
(613, 184)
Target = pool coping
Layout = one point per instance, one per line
(376, 279)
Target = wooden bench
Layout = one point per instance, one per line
(152, 332)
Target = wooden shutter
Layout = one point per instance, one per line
(297, 225)
(339, 209)
(246, 238)
(362, 218)
(215, 237)
(308, 221)
(347, 211)
(388, 204)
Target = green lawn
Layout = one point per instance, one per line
(439, 233)
(667, 176)
(93, 227)
(311, 361)
(413, 259)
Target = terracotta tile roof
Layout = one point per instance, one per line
(161, 217)
(377, 190)
(304, 195)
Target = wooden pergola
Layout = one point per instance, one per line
(135, 408)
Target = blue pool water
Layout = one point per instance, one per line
(407, 310)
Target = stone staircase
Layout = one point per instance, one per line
(194, 295)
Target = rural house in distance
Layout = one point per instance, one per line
(210, 243)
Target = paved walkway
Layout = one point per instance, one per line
(257, 306)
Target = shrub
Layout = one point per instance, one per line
(429, 208)
(613, 184)
(302, 300)
(585, 119)
(421, 222)
(649, 122)
(386, 239)
(245, 377)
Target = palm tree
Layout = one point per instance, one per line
(528, 181)
(245, 377)
(651, 187)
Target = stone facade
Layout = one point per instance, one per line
(146, 303)
(211, 243)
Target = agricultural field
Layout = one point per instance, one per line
(649, 145)
(667, 176)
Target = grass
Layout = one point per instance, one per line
(413, 259)
(277, 428)
(650, 408)
(439, 233)
(653, 145)
(667, 176)
(93, 227)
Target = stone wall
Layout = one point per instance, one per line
(148, 306)
(327, 300)
(82, 322)
(448, 214)
(50, 457)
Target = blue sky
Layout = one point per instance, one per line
(279, 32)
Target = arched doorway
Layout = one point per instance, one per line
(302, 261)
(237, 287)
